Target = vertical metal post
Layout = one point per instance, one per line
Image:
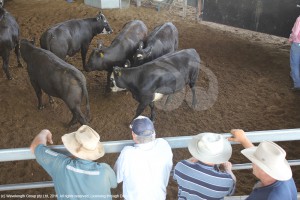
(184, 7)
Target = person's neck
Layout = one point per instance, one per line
(267, 181)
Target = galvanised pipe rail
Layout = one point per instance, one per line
(117, 146)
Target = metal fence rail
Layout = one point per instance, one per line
(116, 146)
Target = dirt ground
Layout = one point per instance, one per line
(244, 83)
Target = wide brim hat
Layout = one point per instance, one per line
(210, 148)
(84, 143)
(270, 157)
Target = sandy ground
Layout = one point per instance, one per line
(244, 83)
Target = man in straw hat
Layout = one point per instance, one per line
(270, 167)
(80, 177)
(145, 167)
(200, 177)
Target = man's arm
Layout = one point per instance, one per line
(240, 136)
(42, 138)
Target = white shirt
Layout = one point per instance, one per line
(145, 170)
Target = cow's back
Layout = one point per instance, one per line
(129, 37)
(166, 74)
(163, 39)
(9, 31)
(49, 71)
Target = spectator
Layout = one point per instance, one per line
(145, 167)
(200, 177)
(294, 39)
(80, 177)
(270, 167)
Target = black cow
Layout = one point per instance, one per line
(9, 39)
(56, 78)
(162, 76)
(121, 48)
(162, 40)
(69, 37)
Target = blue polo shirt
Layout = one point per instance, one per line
(280, 190)
(76, 178)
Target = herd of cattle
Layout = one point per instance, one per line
(147, 65)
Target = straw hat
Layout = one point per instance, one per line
(84, 143)
(210, 147)
(270, 157)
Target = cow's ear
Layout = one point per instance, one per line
(101, 54)
(141, 45)
(98, 16)
(117, 71)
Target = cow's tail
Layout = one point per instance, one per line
(86, 95)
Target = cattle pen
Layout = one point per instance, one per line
(175, 142)
(253, 90)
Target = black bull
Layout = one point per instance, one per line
(164, 76)
(162, 40)
(121, 48)
(56, 78)
(72, 36)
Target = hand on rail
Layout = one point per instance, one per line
(42, 138)
(240, 136)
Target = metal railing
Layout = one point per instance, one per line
(116, 146)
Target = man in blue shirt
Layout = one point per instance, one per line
(77, 177)
(200, 177)
(270, 167)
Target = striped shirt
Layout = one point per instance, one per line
(201, 181)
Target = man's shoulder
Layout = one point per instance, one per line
(162, 142)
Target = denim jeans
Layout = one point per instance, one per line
(295, 63)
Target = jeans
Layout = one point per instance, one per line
(295, 63)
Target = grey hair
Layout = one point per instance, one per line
(145, 139)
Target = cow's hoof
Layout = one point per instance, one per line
(41, 107)
(9, 78)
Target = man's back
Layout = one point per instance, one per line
(201, 181)
(145, 170)
(76, 178)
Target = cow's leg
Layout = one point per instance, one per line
(17, 52)
(153, 114)
(83, 51)
(141, 107)
(169, 98)
(77, 117)
(5, 65)
(38, 92)
(107, 89)
(194, 101)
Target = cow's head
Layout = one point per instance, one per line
(141, 53)
(116, 73)
(96, 59)
(127, 64)
(1, 3)
(101, 18)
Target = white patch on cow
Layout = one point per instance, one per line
(104, 32)
(139, 55)
(115, 88)
(157, 96)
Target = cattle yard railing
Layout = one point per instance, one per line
(175, 143)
